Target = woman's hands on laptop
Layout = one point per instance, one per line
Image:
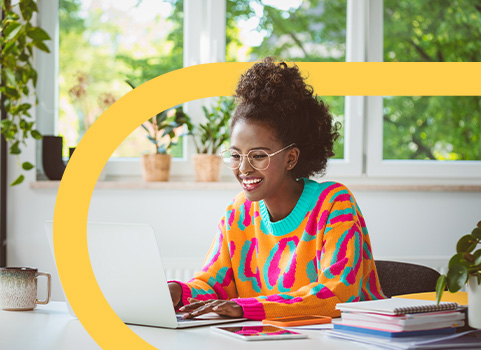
(220, 307)
(201, 307)
(176, 294)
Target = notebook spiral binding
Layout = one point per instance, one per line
(425, 308)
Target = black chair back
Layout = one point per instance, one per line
(398, 278)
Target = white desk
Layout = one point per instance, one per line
(51, 327)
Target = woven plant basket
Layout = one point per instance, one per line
(156, 167)
(207, 167)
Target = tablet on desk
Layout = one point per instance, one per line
(258, 332)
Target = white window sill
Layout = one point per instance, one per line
(229, 184)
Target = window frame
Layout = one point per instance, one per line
(376, 166)
(204, 42)
(352, 164)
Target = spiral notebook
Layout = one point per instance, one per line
(396, 306)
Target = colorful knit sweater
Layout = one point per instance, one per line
(306, 263)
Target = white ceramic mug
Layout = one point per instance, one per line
(18, 288)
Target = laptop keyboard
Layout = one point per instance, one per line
(181, 319)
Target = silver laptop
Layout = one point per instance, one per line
(127, 265)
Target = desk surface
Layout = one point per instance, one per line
(52, 327)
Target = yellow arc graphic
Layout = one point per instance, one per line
(187, 84)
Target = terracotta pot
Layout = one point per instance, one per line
(207, 167)
(474, 302)
(156, 167)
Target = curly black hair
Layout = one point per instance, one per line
(276, 94)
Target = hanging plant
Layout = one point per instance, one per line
(18, 38)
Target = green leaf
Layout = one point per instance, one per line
(19, 180)
(27, 8)
(160, 118)
(23, 57)
(440, 287)
(8, 47)
(11, 61)
(41, 46)
(145, 128)
(10, 76)
(27, 166)
(458, 259)
(24, 75)
(476, 233)
(38, 34)
(12, 93)
(12, 16)
(12, 30)
(15, 149)
(168, 130)
(33, 74)
(162, 149)
(24, 107)
(206, 112)
(130, 84)
(5, 124)
(36, 135)
(33, 5)
(477, 258)
(457, 277)
(466, 244)
(151, 139)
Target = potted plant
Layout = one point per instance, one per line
(18, 37)
(209, 137)
(162, 132)
(465, 268)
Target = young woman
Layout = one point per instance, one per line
(287, 245)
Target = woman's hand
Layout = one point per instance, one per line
(220, 307)
(175, 293)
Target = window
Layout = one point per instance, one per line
(423, 136)
(393, 137)
(101, 45)
(437, 127)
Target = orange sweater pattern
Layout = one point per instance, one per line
(304, 264)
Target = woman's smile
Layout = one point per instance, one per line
(251, 183)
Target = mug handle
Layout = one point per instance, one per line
(44, 302)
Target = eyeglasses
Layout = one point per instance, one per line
(258, 159)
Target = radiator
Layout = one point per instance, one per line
(181, 269)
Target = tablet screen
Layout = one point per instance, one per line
(260, 332)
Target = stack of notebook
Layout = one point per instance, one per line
(399, 317)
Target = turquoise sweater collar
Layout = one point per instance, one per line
(306, 202)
